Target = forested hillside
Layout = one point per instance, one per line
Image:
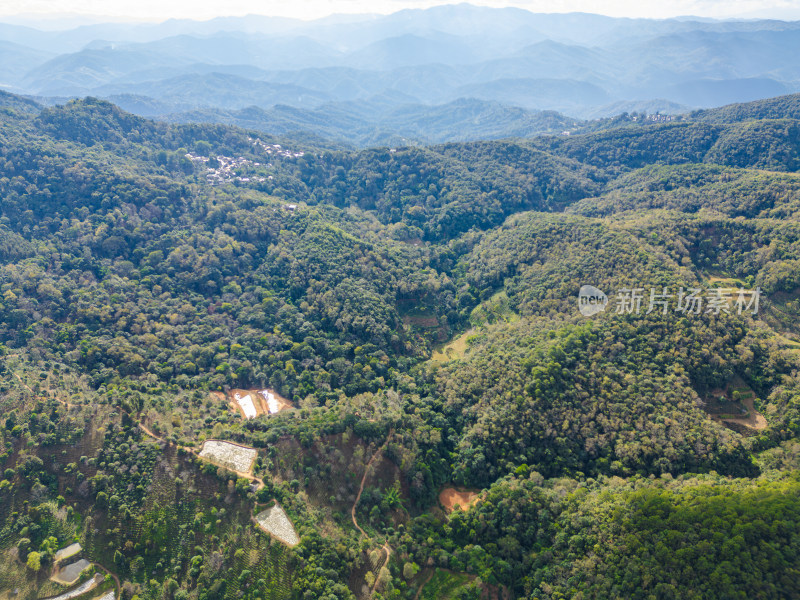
(415, 313)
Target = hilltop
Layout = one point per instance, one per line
(414, 309)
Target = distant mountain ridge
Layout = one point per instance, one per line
(375, 123)
(380, 122)
(417, 76)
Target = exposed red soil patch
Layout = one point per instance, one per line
(451, 497)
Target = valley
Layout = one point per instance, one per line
(404, 321)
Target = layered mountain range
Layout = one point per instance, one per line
(369, 72)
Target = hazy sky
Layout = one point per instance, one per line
(309, 9)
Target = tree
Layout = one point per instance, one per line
(410, 569)
(34, 561)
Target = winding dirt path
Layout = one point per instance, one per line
(364, 480)
(388, 551)
(35, 395)
(241, 474)
(24, 384)
(425, 581)
(113, 576)
(385, 546)
(151, 434)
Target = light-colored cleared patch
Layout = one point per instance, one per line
(273, 404)
(727, 281)
(69, 574)
(275, 522)
(109, 595)
(455, 349)
(247, 406)
(254, 403)
(452, 498)
(86, 586)
(737, 398)
(496, 309)
(753, 420)
(68, 552)
(788, 343)
(231, 456)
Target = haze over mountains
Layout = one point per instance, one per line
(413, 76)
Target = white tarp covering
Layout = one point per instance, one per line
(272, 402)
(248, 407)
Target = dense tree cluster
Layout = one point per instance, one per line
(133, 284)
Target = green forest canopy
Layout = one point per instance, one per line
(138, 274)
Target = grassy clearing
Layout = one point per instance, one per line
(788, 343)
(455, 349)
(780, 312)
(496, 309)
(15, 576)
(444, 585)
(13, 572)
(723, 282)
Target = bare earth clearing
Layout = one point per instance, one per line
(276, 523)
(69, 575)
(86, 586)
(725, 404)
(253, 403)
(754, 419)
(231, 456)
(451, 498)
(68, 552)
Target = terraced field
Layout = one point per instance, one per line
(231, 456)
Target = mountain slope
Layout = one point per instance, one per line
(389, 125)
(782, 107)
(414, 312)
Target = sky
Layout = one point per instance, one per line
(157, 10)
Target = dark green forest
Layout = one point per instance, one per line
(417, 310)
